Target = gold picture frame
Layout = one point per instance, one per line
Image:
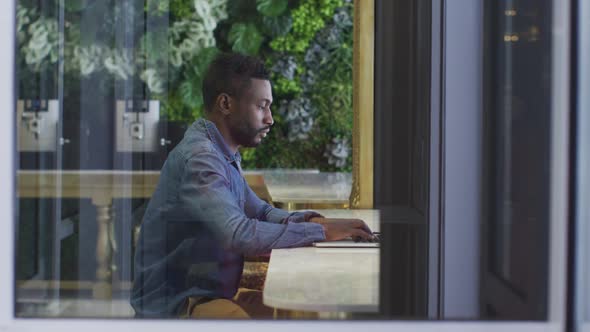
(361, 196)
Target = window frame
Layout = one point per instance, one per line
(580, 289)
(559, 212)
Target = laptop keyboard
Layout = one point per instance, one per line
(376, 238)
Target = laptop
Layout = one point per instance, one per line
(348, 243)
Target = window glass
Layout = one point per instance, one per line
(107, 89)
(194, 158)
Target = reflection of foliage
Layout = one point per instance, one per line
(185, 103)
(37, 37)
(176, 110)
(167, 48)
(276, 26)
(43, 44)
(312, 83)
(271, 8)
(337, 152)
(245, 38)
(298, 115)
(306, 44)
(187, 46)
(285, 75)
(308, 19)
(191, 87)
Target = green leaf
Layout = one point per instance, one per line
(154, 45)
(191, 94)
(245, 38)
(198, 64)
(271, 7)
(190, 89)
(277, 26)
(181, 9)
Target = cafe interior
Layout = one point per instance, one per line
(439, 123)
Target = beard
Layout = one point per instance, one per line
(246, 135)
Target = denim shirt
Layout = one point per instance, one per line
(201, 221)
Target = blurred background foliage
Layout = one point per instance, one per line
(307, 45)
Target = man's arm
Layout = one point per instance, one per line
(259, 209)
(206, 197)
(334, 229)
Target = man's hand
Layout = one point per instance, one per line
(338, 229)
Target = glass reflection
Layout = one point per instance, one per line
(107, 89)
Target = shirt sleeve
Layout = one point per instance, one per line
(259, 209)
(206, 197)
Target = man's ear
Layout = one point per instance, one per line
(224, 103)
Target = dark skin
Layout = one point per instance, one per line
(246, 120)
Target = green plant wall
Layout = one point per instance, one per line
(307, 45)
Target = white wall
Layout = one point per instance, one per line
(462, 116)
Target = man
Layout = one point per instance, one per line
(203, 218)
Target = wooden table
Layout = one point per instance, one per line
(326, 279)
(101, 187)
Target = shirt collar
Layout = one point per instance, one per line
(219, 142)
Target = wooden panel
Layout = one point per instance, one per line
(361, 196)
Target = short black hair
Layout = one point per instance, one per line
(230, 73)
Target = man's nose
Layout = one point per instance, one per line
(268, 120)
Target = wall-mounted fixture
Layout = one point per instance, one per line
(37, 124)
(137, 125)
